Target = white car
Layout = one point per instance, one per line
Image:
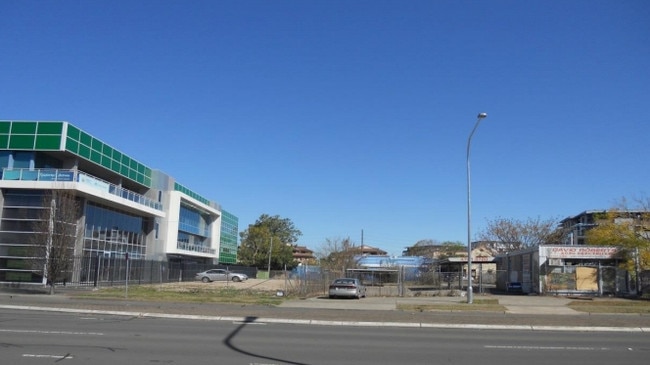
(220, 275)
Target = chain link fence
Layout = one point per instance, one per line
(108, 271)
(314, 281)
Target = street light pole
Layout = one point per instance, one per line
(470, 294)
(270, 251)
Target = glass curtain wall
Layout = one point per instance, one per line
(193, 230)
(112, 233)
(21, 209)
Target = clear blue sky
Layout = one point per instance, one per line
(346, 116)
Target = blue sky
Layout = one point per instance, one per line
(351, 116)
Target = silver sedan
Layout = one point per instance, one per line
(219, 275)
(347, 287)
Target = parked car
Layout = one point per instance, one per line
(220, 275)
(347, 287)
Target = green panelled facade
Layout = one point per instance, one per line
(47, 136)
(30, 135)
(188, 192)
(92, 149)
(229, 229)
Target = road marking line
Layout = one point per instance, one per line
(58, 357)
(573, 348)
(53, 332)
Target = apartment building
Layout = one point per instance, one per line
(576, 227)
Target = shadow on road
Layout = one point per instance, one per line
(229, 343)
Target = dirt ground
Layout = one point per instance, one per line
(254, 284)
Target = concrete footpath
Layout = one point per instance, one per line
(514, 304)
(535, 313)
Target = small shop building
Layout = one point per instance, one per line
(563, 270)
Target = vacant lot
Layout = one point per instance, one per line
(250, 284)
(275, 291)
(252, 291)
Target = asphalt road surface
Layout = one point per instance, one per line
(47, 338)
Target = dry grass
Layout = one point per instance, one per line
(614, 306)
(241, 293)
(611, 306)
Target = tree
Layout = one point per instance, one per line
(434, 249)
(268, 233)
(55, 234)
(627, 228)
(425, 243)
(516, 234)
(425, 248)
(338, 255)
(451, 249)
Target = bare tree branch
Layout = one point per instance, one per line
(55, 235)
(337, 255)
(516, 234)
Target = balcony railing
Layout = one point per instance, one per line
(63, 175)
(195, 248)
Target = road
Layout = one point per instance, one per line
(46, 338)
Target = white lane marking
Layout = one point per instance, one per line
(58, 357)
(247, 322)
(54, 332)
(572, 348)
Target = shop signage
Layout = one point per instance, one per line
(581, 252)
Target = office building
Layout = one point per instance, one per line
(128, 209)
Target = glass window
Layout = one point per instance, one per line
(23, 160)
(20, 213)
(15, 237)
(4, 158)
(192, 221)
(111, 231)
(183, 237)
(23, 198)
(43, 161)
(17, 225)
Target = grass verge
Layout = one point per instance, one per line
(611, 306)
(193, 295)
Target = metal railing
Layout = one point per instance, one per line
(195, 248)
(65, 175)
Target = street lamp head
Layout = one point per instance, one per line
(482, 115)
